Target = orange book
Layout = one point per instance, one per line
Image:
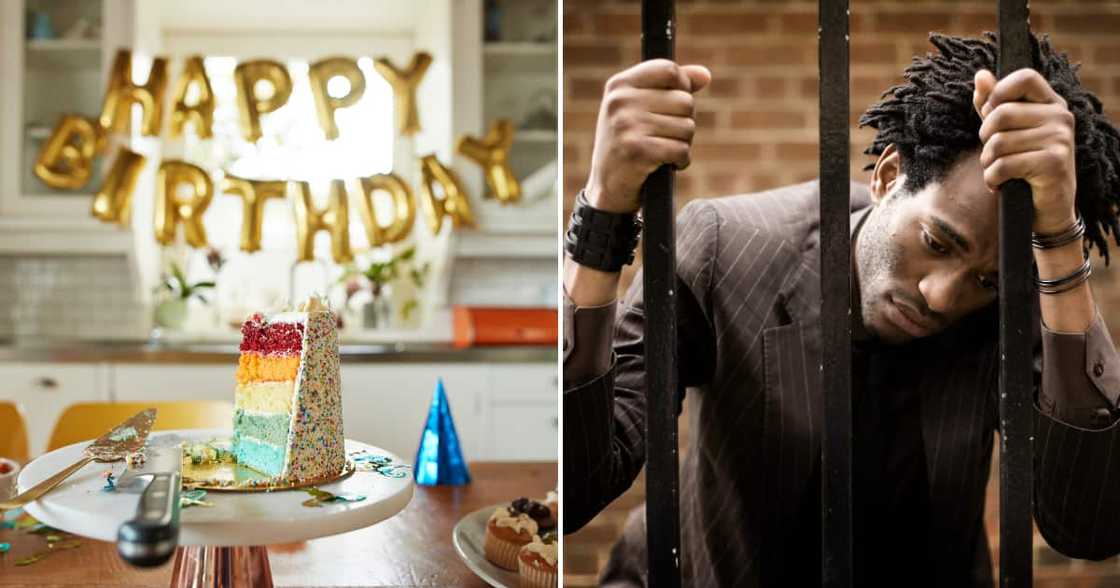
(478, 325)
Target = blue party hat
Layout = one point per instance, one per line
(439, 461)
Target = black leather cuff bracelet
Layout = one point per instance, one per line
(599, 239)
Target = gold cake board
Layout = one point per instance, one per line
(234, 477)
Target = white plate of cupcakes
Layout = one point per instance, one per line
(512, 545)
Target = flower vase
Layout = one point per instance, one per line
(376, 313)
(171, 313)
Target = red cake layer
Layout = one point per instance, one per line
(261, 336)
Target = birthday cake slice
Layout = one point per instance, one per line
(287, 421)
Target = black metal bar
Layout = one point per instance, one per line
(1016, 214)
(836, 332)
(659, 281)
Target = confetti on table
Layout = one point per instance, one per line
(110, 483)
(52, 547)
(322, 497)
(381, 464)
(193, 498)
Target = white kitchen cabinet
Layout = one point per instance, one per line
(169, 382)
(502, 411)
(44, 390)
(522, 420)
(387, 405)
(57, 67)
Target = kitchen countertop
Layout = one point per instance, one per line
(411, 549)
(58, 351)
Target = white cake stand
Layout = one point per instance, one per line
(221, 545)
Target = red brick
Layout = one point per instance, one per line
(709, 151)
(874, 52)
(579, 120)
(768, 119)
(1087, 23)
(975, 23)
(585, 88)
(809, 87)
(718, 183)
(618, 23)
(911, 22)
(580, 53)
(705, 119)
(870, 86)
(723, 21)
(770, 87)
(723, 88)
(798, 151)
(772, 54)
(1109, 54)
(574, 23)
(572, 154)
(798, 22)
(698, 55)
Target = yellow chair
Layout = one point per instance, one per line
(13, 433)
(90, 420)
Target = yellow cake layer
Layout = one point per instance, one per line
(252, 367)
(265, 396)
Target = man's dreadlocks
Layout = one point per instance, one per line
(931, 121)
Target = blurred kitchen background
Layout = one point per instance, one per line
(757, 130)
(93, 311)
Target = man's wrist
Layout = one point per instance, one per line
(599, 199)
(587, 286)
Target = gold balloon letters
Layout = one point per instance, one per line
(335, 219)
(122, 93)
(113, 202)
(253, 194)
(403, 209)
(454, 202)
(170, 209)
(184, 190)
(322, 72)
(250, 106)
(201, 114)
(404, 83)
(492, 153)
(66, 160)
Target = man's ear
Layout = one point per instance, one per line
(888, 171)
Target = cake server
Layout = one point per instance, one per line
(123, 439)
(152, 535)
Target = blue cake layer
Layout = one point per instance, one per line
(266, 458)
(270, 428)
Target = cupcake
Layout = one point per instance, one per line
(536, 563)
(507, 531)
(552, 501)
(538, 510)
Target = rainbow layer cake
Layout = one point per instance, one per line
(287, 420)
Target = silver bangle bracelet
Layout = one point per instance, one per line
(1055, 240)
(1068, 282)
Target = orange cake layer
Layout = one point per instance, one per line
(252, 367)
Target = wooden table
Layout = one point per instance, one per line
(411, 549)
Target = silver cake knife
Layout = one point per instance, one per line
(152, 535)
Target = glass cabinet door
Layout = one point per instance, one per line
(62, 75)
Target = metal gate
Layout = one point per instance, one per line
(1015, 382)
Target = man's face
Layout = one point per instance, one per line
(926, 259)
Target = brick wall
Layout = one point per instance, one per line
(758, 128)
(757, 123)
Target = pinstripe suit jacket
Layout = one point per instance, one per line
(748, 273)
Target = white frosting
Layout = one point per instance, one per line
(502, 517)
(547, 551)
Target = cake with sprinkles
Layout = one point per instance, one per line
(287, 421)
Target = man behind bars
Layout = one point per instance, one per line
(925, 330)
